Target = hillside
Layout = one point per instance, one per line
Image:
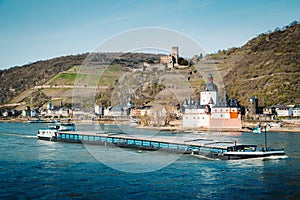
(268, 66)
(17, 83)
(18, 79)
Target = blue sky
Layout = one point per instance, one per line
(35, 30)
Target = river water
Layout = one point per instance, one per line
(35, 169)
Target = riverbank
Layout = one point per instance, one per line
(292, 129)
(288, 125)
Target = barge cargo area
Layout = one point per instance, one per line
(184, 145)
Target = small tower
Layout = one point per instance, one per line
(210, 86)
(209, 95)
(253, 105)
(175, 54)
(49, 106)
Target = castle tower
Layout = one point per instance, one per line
(210, 86)
(253, 105)
(175, 54)
(209, 95)
(49, 106)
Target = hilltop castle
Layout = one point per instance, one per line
(171, 59)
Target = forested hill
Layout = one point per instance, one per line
(15, 80)
(267, 66)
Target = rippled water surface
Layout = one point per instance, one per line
(31, 168)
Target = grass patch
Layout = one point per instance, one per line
(66, 79)
(110, 75)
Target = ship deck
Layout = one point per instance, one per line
(148, 141)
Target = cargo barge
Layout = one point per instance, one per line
(226, 150)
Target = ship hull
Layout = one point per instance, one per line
(247, 155)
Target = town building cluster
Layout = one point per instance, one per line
(271, 112)
(205, 112)
(49, 112)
